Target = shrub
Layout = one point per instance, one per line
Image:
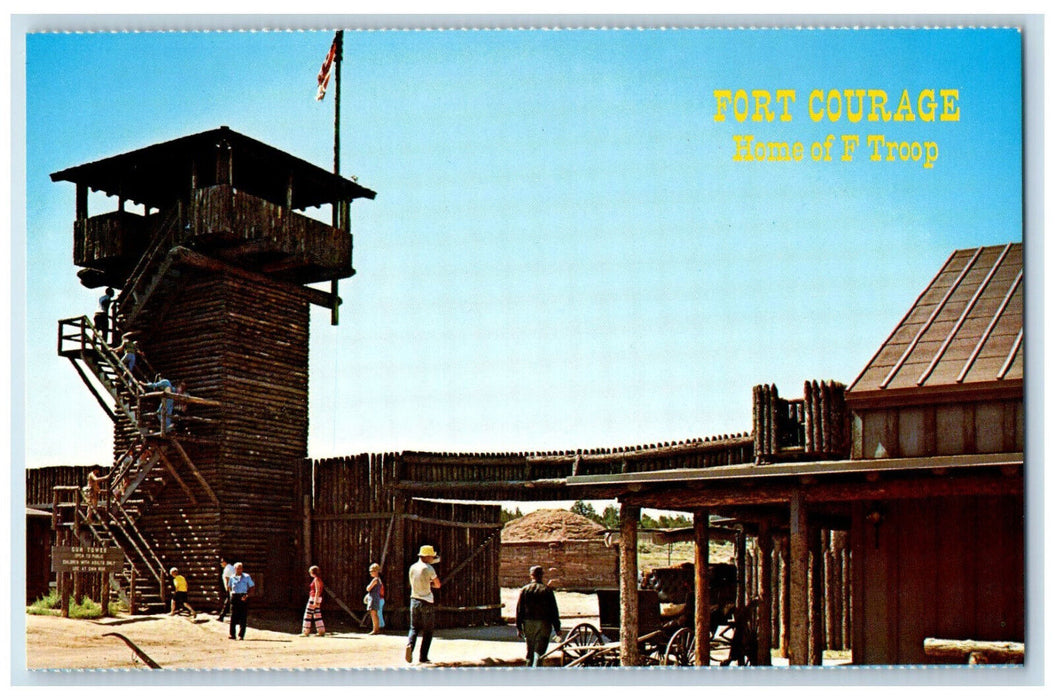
(87, 609)
(45, 605)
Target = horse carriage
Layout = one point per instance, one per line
(666, 621)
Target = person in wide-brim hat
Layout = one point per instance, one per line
(423, 580)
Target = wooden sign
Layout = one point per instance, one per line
(90, 559)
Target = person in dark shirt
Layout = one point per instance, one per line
(537, 616)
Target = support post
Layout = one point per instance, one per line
(132, 593)
(104, 593)
(64, 583)
(765, 595)
(741, 568)
(816, 598)
(82, 202)
(785, 598)
(628, 603)
(798, 565)
(702, 540)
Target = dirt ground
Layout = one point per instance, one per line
(273, 642)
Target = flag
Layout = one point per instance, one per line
(327, 68)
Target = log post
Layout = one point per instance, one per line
(104, 593)
(831, 594)
(132, 591)
(81, 205)
(628, 604)
(785, 597)
(765, 595)
(798, 566)
(702, 541)
(741, 568)
(816, 598)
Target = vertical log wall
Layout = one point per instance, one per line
(832, 608)
(244, 345)
(357, 519)
(816, 425)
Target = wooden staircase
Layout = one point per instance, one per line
(153, 268)
(139, 474)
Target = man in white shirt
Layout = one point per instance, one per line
(423, 580)
(225, 577)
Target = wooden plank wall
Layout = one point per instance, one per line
(942, 429)
(916, 582)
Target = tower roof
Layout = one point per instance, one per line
(159, 174)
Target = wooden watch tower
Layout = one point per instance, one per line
(212, 259)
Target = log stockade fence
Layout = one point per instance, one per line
(371, 508)
(380, 508)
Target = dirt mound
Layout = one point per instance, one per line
(551, 525)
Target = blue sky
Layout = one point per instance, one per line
(562, 252)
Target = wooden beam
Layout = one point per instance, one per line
(175, 475)
(185, 256)
(701, 553)
(697, 496)
(798, 563)
(482, 487)
(194, 470)
(628, 598)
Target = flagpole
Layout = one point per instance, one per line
(338, 206)
(337, 104)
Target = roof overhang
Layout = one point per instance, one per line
(823, 481)
(151, 175)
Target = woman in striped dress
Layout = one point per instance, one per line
(313, 611)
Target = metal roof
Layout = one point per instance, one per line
(964, 330)
(159, 174)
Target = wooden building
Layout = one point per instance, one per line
(212, 255)
(921, 460)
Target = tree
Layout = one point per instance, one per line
(586, 510)
(506, 515)
(610, 518)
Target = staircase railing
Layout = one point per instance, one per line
(80, 340)
(136, 292)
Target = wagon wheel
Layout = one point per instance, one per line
(681, 649)
(581, 636)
